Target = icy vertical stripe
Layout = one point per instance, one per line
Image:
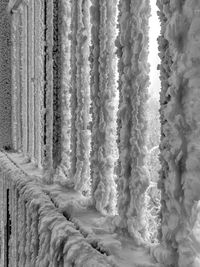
(39, 80)
(82, 174)
(167, 203)
(14, 33)
(31, 76)
(179, 45)
(5, 76)
(133, 71)
(103, 95)
(56, 85)
(23, 69)
(73, 85)
(65, 85)
(49, 86)
(18, 85)
(95, 52)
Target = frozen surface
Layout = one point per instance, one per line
(62, 226)
(133, 82)
(103, 91)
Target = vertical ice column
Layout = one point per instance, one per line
(82, 174)
(57, 98)
(5, 76)
(65, 86)
(39, 81)
(103, 90)
(180, 125)
(15, 85)
(48, 123)
(73, 100)
(23, 77)
(133, 80)
(31, 79)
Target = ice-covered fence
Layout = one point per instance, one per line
(35, 232)
(28, 79)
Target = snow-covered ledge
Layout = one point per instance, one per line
(52, 224)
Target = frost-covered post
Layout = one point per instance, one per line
(23, 77)
(82, 174)
(65, 31)
(80, 95)
(39, 81)
(134, 81)
(103, 91)
(180, 128)
(16, 136)
(48, 90)
(73, 100)
(31, 82)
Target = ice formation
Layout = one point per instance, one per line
(133, 75)
(103, 90)
(179, 181)
(63, 85)
(82, 90)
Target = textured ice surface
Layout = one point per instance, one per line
(103, 90)
(133, 82)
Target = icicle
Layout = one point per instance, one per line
(39, 81)
(133, 71)
(82, 175)
(103, 86)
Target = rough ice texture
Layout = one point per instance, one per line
(82, 89)
(73, 100)
(15, 85)
(40, 234)
(30, 80)
(56, 84)
(65, 26)
(179, 179)
(23, 77)
(27, 80)
(5, 76)
(103, 91)
(48, 122)
(133, 80)
(39, 81)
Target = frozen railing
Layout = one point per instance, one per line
(34, 231)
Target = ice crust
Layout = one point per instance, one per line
(55, 225)
(133, 82)
(179, 177)
(103, 88)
